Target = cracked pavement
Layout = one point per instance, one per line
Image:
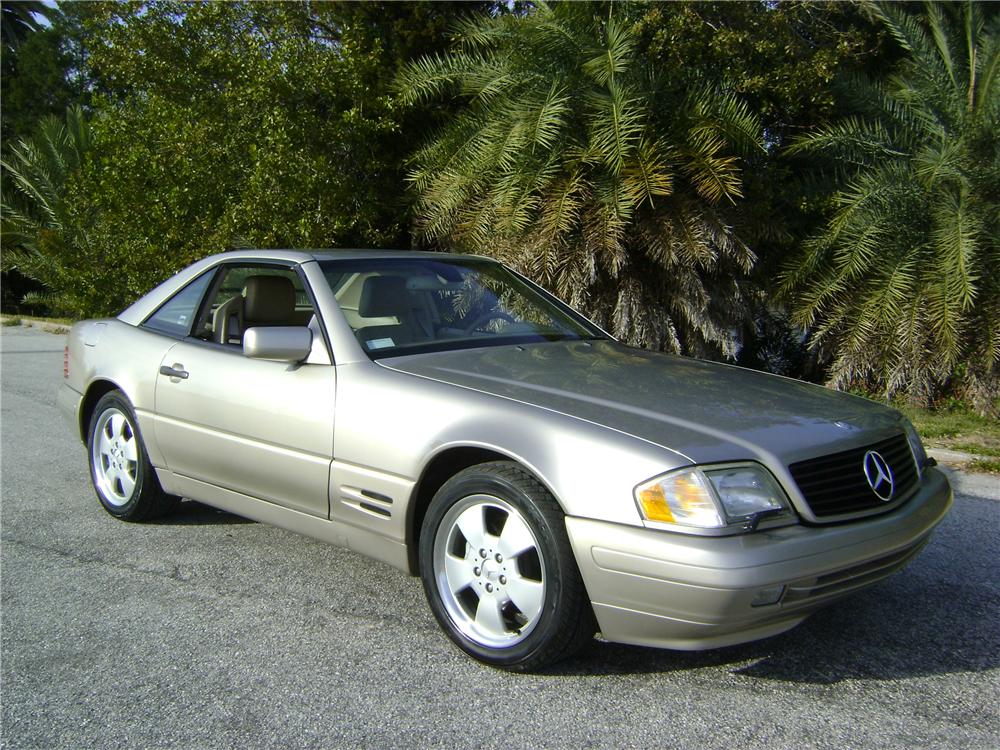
(205, 630)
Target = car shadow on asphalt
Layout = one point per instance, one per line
(902, 628)
(193, 513)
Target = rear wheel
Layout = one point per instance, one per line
(123, 478)
(499, 572)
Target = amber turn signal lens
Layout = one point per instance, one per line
(654, 504)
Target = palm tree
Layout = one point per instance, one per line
(18, 20)
(578, 165)
(902, 285)
(35, 228)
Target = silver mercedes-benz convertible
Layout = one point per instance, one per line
(445, 415)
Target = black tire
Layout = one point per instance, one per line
(123, 478)
(558, 619)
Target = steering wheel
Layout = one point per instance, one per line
(486, 317)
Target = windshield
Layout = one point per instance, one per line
(406, 306)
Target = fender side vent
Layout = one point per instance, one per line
(377, 496)
(367, 500)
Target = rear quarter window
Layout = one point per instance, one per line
(176, 315)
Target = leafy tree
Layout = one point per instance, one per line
(34, 68)
(40, 235)
(902, 285)
(782, 58)
(244, 123)
(35, 87)
(578, 164)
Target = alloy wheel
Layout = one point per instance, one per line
(489, 571)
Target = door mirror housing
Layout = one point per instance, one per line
(280, 343)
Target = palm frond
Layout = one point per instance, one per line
(431, 77)
(615, 57)
(956, 236)
(647, 176)
(616, 124)
(852, 140)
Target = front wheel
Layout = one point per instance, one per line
(123, 478)
(499, 572)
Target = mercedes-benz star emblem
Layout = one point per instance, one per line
(879, 475)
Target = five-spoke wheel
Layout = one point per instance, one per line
(490, 574)
(124, 479)
(498, 569)
(115, 456)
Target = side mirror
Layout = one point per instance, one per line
(281, 343)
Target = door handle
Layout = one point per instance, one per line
(177, 371)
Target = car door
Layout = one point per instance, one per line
(257, 427)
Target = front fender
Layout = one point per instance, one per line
(401, 422)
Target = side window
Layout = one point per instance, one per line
(246, 296)
(176, 315)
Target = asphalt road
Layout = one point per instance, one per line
(207, 631)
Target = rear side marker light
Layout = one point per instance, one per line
(66, 361)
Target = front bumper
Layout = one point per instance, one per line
(656, 588)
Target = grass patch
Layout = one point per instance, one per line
(958, 428)
(58, 321)
(951, 423)
(985, 465)
(982, 449)
(49, 325)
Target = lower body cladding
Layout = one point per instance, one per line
(656, 588)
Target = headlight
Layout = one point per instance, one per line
(745, 491)
(712, 498)
(916, 446)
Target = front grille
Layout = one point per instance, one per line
(835, 485)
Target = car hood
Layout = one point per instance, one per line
(704, 411)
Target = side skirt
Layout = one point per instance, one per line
(334, 532)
